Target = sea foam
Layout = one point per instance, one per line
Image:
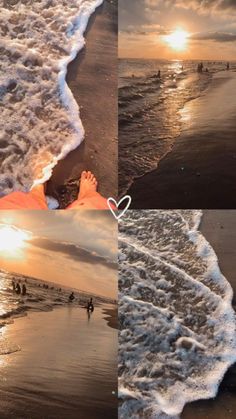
(177, 325)
(40, 120)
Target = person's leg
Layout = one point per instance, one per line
(35, 199)
(88, 197)
(37, 193)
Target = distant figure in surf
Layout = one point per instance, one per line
(71, 297)
(90, 305)
(18, 288)
(200, 67)
(159, 74)
(227, 66)
(13, 285)
(23, 291)
(88, 197)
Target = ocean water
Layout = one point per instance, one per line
(37, 299)
(149, 110)
(39, 118)
(177, 326)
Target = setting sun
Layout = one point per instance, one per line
(11, 238)
(178, 39)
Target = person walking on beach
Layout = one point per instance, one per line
(13, 285)
(227, 66)
(88, 197)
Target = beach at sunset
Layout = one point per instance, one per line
(199, 170)
(177, 77)
(61, 346)
(58, 315)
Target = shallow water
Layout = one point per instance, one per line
(67, 366)
(39, 118)
(41, 296)
(177, 323)
(149, 110)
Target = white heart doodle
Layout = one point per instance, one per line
(117, 204)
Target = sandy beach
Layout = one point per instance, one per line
(92, 78)
(66, 366)
(199, 172)
(219, 228)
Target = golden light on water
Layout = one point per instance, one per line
(12, 239)
(177, 40)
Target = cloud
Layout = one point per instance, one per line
(207, 6)
(214, 36)
(148, 10)
(74, 252)
(145, 29)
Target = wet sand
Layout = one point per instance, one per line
(199, 172)
(111, 316)
(67, 366)
(92, 77)
(219, 228)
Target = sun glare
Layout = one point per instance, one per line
(177, 40)
(12, 239)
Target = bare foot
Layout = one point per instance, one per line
(88, 185)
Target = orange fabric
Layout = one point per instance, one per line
(35, 199)
(94, 201)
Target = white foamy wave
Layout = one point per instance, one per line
(39, 121)
(177, 325)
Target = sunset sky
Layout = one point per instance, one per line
(74, 248)
(177, 29)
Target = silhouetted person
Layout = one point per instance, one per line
(13, 285)
(23, 291)
(227, 66)
(71, 297)
(18, 288)
(159, 74)
(90, 305)
(200, 67)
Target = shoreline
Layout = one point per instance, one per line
(92, 73)
(219, 229)
(193, 172)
